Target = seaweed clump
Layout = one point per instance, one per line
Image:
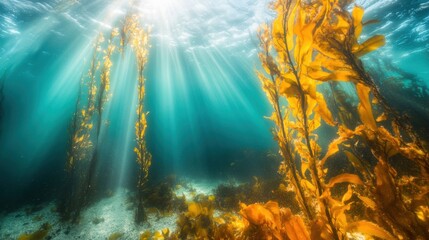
(228, 197)
(269, 221)
(161, 196)
(200, 222)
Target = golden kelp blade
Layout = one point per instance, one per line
(345, 177)
(365, 108)
(370, 45)
(371, 229)
(294, 226)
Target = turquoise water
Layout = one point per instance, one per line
(206, 106)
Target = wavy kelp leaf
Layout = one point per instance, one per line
(345, 134)
(273, 207)
(306, 36)
(291, 20)
(345, 177)
(369, 228)
(323, 110)
(332, 149)
(289, 88)
(256, 214)
(272, 222)
(263, 215)
(336, 75)
(385, 184)
(357, 15)
(327, 69)
(304, 167)
(348, 194)
(368, 202)
(381, 118)
(370, 45)
(364, 107)
(294, 226)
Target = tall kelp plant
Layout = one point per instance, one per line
(85, 129)
(138, 39)
(308, 44)
(87, 121)
(291, 39)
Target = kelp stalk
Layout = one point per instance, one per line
(138, 38)
(272, 92)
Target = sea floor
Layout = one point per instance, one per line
(109, 217)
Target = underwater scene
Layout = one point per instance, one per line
(228, 119)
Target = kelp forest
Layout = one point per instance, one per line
(350, 140)
(88, 118)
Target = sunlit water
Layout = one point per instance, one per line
(206, 107)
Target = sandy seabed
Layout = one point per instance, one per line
(108, 216)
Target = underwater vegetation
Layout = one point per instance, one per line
(311, 44)
(138, 39)
(88, 118)
(401, 83)
(337, 120)
(85, 130)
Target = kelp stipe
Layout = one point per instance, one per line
(138, 39)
